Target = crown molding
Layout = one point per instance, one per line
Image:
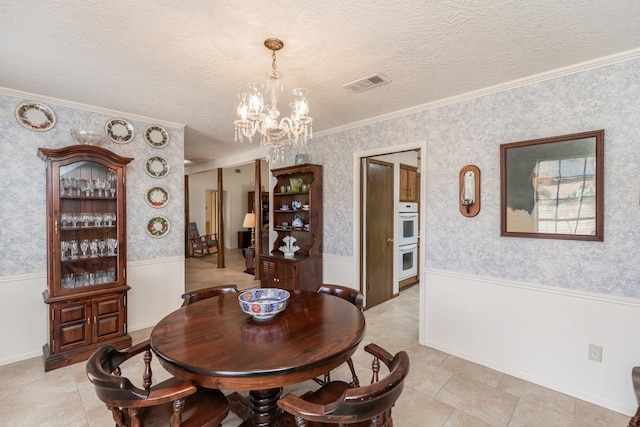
(87, 107)
(580, 67)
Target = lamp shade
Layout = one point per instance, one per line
(249, 220)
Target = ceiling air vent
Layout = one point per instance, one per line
(367, 83)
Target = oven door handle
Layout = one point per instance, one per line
(407, 215)
(407, 248)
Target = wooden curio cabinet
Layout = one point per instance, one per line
(86, 252)
(296, 212)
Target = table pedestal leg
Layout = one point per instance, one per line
(263, 406)
(262, 410)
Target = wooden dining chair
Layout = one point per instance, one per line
(169, 403)
(214, 291)
(635, 378)
(338, 404)
(354, 297)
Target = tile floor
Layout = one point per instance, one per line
(440, 391)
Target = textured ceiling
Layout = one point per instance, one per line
(186, 61)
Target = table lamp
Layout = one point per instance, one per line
(250, 222)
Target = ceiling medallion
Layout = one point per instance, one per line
(254, 116)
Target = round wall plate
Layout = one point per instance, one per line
(156, 136)
(119, 131)
(158, 226)
(157, 197)
(156, 167)
(35, 116)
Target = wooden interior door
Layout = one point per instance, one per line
(378, 232)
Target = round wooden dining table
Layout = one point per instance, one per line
(216, 345)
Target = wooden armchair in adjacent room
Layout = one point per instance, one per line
(205, 244)
(214, 291)
(169, 403)
(338, 404)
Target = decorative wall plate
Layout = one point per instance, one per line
(156, 167)
(35, 116)
(157, 197)
(158, 226)
(156, 136)
(119, 131)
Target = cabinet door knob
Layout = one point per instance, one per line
(390, 240)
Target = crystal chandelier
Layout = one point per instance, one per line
(254, 116)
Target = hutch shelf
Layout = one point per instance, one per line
(296, 212)
(86, 252)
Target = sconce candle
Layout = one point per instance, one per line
(469, 188)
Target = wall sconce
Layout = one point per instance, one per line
(469, 191)
(250, 222)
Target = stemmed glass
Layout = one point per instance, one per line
(74, 249)
(109, 218)
(112, 244)
(101, 246)
(97, 218)
(84, 245)
(85, 217)
(112, 177)
(77, 185)
(64, 247)
(94, 248)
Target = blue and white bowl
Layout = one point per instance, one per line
(264, 303)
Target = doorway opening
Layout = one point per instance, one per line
(211, 211)
(380, 270)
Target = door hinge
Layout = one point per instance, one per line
(55, 226)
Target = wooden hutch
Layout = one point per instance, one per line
(296, 212)
(86, 252)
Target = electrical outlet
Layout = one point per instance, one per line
(595, 353)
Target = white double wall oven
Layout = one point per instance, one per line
(407, 232)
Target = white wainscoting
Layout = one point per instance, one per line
(338, 270)
(23, 318)
(538, 333)
(156, 286)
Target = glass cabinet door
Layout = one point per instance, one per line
(88, 227)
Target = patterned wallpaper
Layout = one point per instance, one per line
(470, 133)
(22, 186)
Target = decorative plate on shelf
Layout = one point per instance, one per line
(156, 167)
(35, 116)
(157, 197)
(119, 131)
(158, 226)
(156, 136)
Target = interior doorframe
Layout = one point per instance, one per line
(357, 216)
